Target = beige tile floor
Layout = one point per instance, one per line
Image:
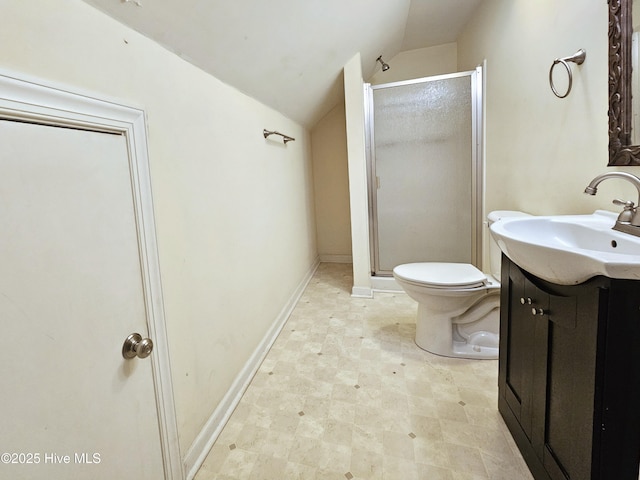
(346, 394)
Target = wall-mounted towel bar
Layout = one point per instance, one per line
(285, 138)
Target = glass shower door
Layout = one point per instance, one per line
(423, 171)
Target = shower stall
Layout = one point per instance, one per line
(424, 159)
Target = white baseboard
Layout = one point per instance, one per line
(336, 258)
(213, 427)
(362, 292)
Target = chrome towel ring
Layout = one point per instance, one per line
(577, 58)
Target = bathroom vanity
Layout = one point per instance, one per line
(569, 375)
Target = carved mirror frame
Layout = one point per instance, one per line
(621, 152)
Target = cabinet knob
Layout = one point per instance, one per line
(526, 301)
(538, 311)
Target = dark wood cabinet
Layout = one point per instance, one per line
(569, 378)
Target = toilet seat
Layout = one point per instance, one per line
(441, 275)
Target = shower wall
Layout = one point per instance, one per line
(423, 171)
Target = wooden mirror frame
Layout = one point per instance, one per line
(621, 152)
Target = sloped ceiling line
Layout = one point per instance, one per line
(289, 54)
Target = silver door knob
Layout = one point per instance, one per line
(136, 346)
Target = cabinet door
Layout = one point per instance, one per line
(619, 419)
(523, 337)
(566, 408)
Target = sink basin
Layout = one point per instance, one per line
(569, 249)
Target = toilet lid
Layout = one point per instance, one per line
(441, 274)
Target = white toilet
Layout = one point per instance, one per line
(458, 305)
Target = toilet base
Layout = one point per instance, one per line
(437, 334)
(464, 350)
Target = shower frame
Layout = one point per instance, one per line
(477, 163)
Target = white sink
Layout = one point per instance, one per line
(569, 249)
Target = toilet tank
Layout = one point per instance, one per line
(494, 251)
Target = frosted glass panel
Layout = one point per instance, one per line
(423, 160)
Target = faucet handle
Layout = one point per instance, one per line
(627, 204)
(629, 210)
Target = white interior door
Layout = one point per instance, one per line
(71, 291)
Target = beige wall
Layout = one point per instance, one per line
(331, 186)
(234, 211)
(542, 151)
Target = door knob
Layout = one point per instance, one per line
(136, 346)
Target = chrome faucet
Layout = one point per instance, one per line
(629, 219)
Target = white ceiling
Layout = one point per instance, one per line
(289, 54)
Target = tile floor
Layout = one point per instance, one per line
(346, 394)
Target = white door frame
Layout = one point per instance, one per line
(31, 101)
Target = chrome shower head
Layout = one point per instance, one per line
(385, 66)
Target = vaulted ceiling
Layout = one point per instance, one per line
(289, 54)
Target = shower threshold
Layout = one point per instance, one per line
(385, 284)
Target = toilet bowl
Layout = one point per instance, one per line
(458, 305)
